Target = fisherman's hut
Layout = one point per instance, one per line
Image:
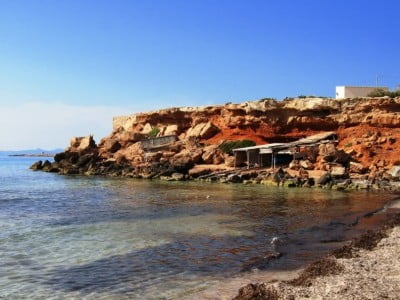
(277, 154)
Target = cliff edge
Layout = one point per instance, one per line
(186, 142)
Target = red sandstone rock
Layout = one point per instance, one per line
(367, 130)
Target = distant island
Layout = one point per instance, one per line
(31, 153)
(43, 154)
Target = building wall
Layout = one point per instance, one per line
(340, 92)
(158, 142)
(343, 92)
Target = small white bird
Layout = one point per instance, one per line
(274, 240)
(208, 196)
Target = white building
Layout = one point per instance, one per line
(343, 92)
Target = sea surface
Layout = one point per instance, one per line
(96, 238)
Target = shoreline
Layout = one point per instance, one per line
(279, 177)
(367, 267)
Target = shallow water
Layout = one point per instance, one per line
(96, 238)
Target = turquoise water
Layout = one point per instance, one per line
(96, 238)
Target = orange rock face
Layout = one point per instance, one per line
(368, 131)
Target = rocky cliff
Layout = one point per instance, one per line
(368, 130)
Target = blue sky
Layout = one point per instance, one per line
(128, 56)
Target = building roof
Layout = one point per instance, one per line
(362, 86)
(265, 146)
(284, 147)
(312, 139)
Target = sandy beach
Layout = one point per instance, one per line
(369, 268)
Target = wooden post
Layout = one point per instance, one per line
(273, 159)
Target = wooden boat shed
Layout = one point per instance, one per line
(271, 155)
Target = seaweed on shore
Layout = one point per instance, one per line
(345, 251)
(368, 240)
(323, 267)
(257, 291)
(392, 221)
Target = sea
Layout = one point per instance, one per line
(76, 237)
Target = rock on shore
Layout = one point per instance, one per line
(366, 153)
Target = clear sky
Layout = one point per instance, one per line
(67, 66)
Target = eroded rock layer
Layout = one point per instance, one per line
(368, 131)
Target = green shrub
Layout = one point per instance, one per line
(228, 146)
(154, 132)
(311, 96)
(348, 145)
(381, 93)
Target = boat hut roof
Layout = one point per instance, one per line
(285, 147)
(315, 139)
(267, 148)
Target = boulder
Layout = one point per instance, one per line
(306, 164)
(361, 184)
(111, 146)
(208, 155)
(130, 137)
(171, 130)
(382, 140)
(212, 155)
(293, 173)
(303, 174)
(320, 177)
(202, 131)
(294, 165)
(85, 159)
(178, 176)
(327, 151)
(55, 167)
(229, 161)
(357, 168)
(147, 128)
(338, 171)
(71, 157)
(218, 158)
(234, 178)
(153, 156)
(46, 166)
(199, 170)
(59, 157)
(82, 143)
(394, 172)
(36, 166)
(196, 155)
(208, 131)
(342, 157)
